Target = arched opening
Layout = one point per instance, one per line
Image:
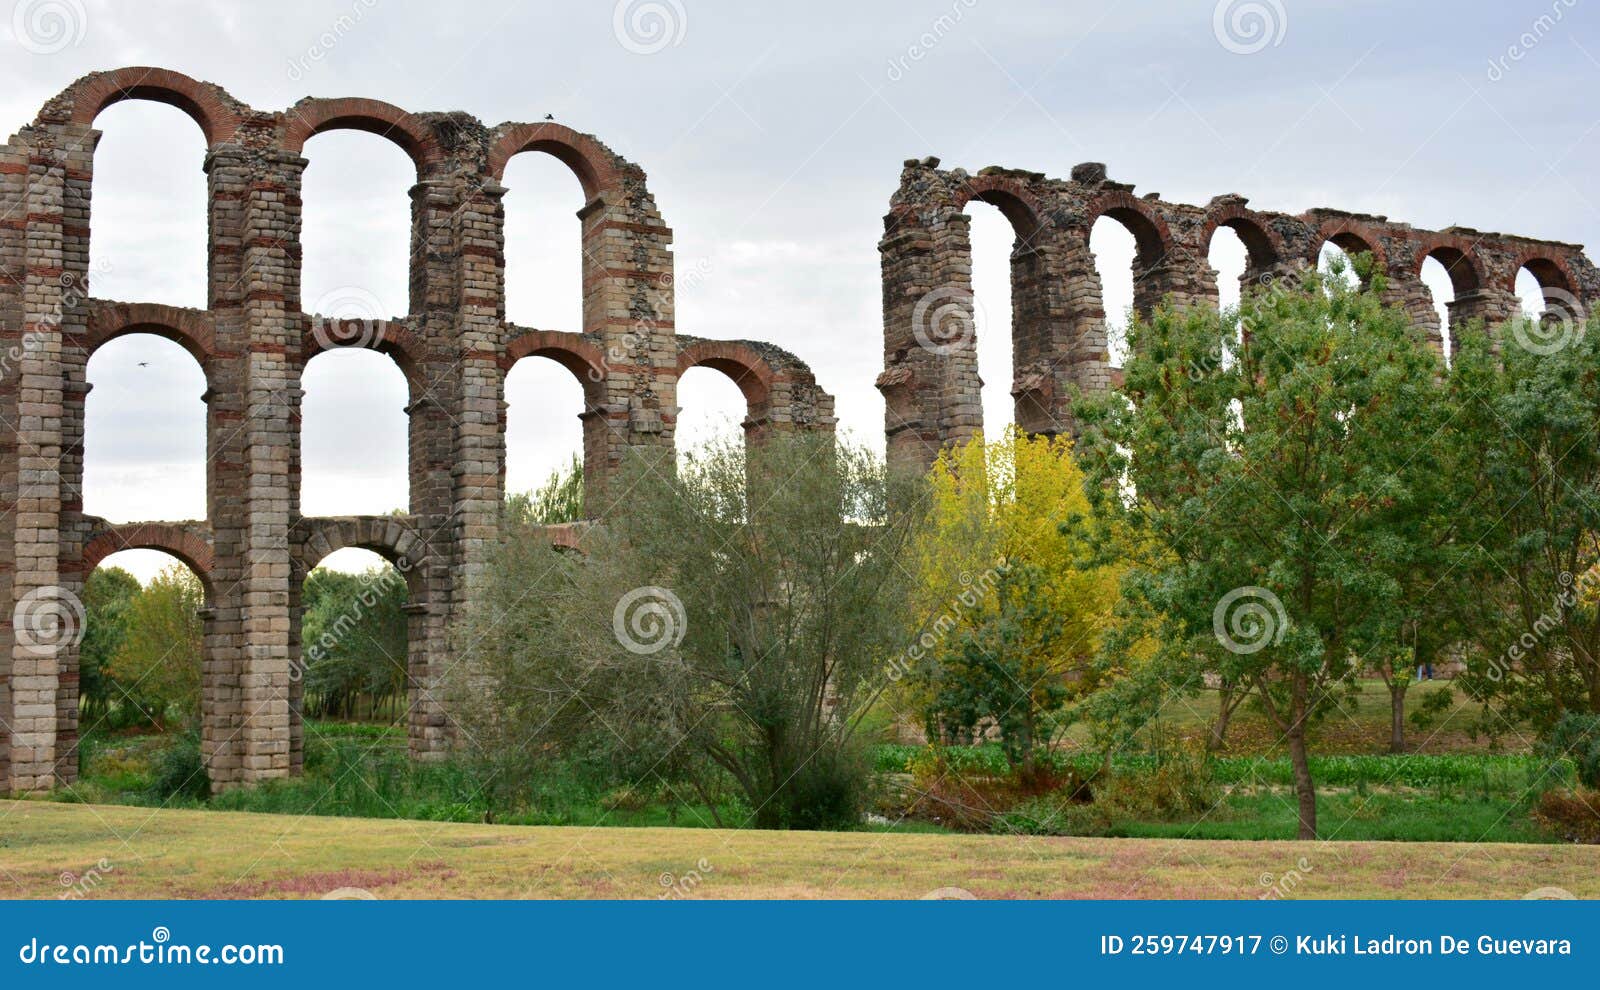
(141, 666)
(144, 444)
(993, 238)
(353, 435)
(1545, 292)
(545, 440)
(543, 243)
(711, 410)
(1229, 258)
(148, 209)
(1337, 258)
(353, 621)
(1441, 294)
(1116, 253)
(356, 227)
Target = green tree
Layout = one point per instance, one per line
(712, 628)
(558, 500)
(353, 640)
(107, 594)
(1533, 402)
(1271, 457)
(156, 668)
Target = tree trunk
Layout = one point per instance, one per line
(1397, 715)
(1219, 726)
(1304, 788)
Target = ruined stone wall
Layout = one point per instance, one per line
(930, 379)
(253, 341)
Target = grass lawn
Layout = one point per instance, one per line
(47, 848)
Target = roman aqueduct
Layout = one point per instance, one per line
(253, 341)
(455, 347)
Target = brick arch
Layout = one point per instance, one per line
(1551, 270)
(192, 329)
(394, 538)
(742, 363)
(592, 162)
(1263, 245)
(1149, 229)
(189, 542)
(393, 339)
(1459, 257)
(1352, 237)
(209, 105)
(313, 116)
(1010, 196)
(576, 352)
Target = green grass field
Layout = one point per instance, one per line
(50, 850)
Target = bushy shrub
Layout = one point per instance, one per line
(1572, 814)
(1575, 737)
(179, 770)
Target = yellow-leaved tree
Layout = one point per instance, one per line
(1011, 566)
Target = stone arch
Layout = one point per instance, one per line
(1459, 259)
(1351, 237)
(1551, 271)
(1011, 197)
(593, 163)
(193, 330)
(1151, 234)
(1263, 246)
(576, 352)
(739, 361)
(218, 114)
(313, 116)
(397, 540)
(189, 542)
(392, 338)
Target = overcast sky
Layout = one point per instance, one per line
(773, 137)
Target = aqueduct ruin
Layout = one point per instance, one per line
(253, 341)
(930, 380)
(455, 348)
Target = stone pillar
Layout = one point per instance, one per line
(42, 618)
(930, 380)
(628, 309)
(268, 365)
